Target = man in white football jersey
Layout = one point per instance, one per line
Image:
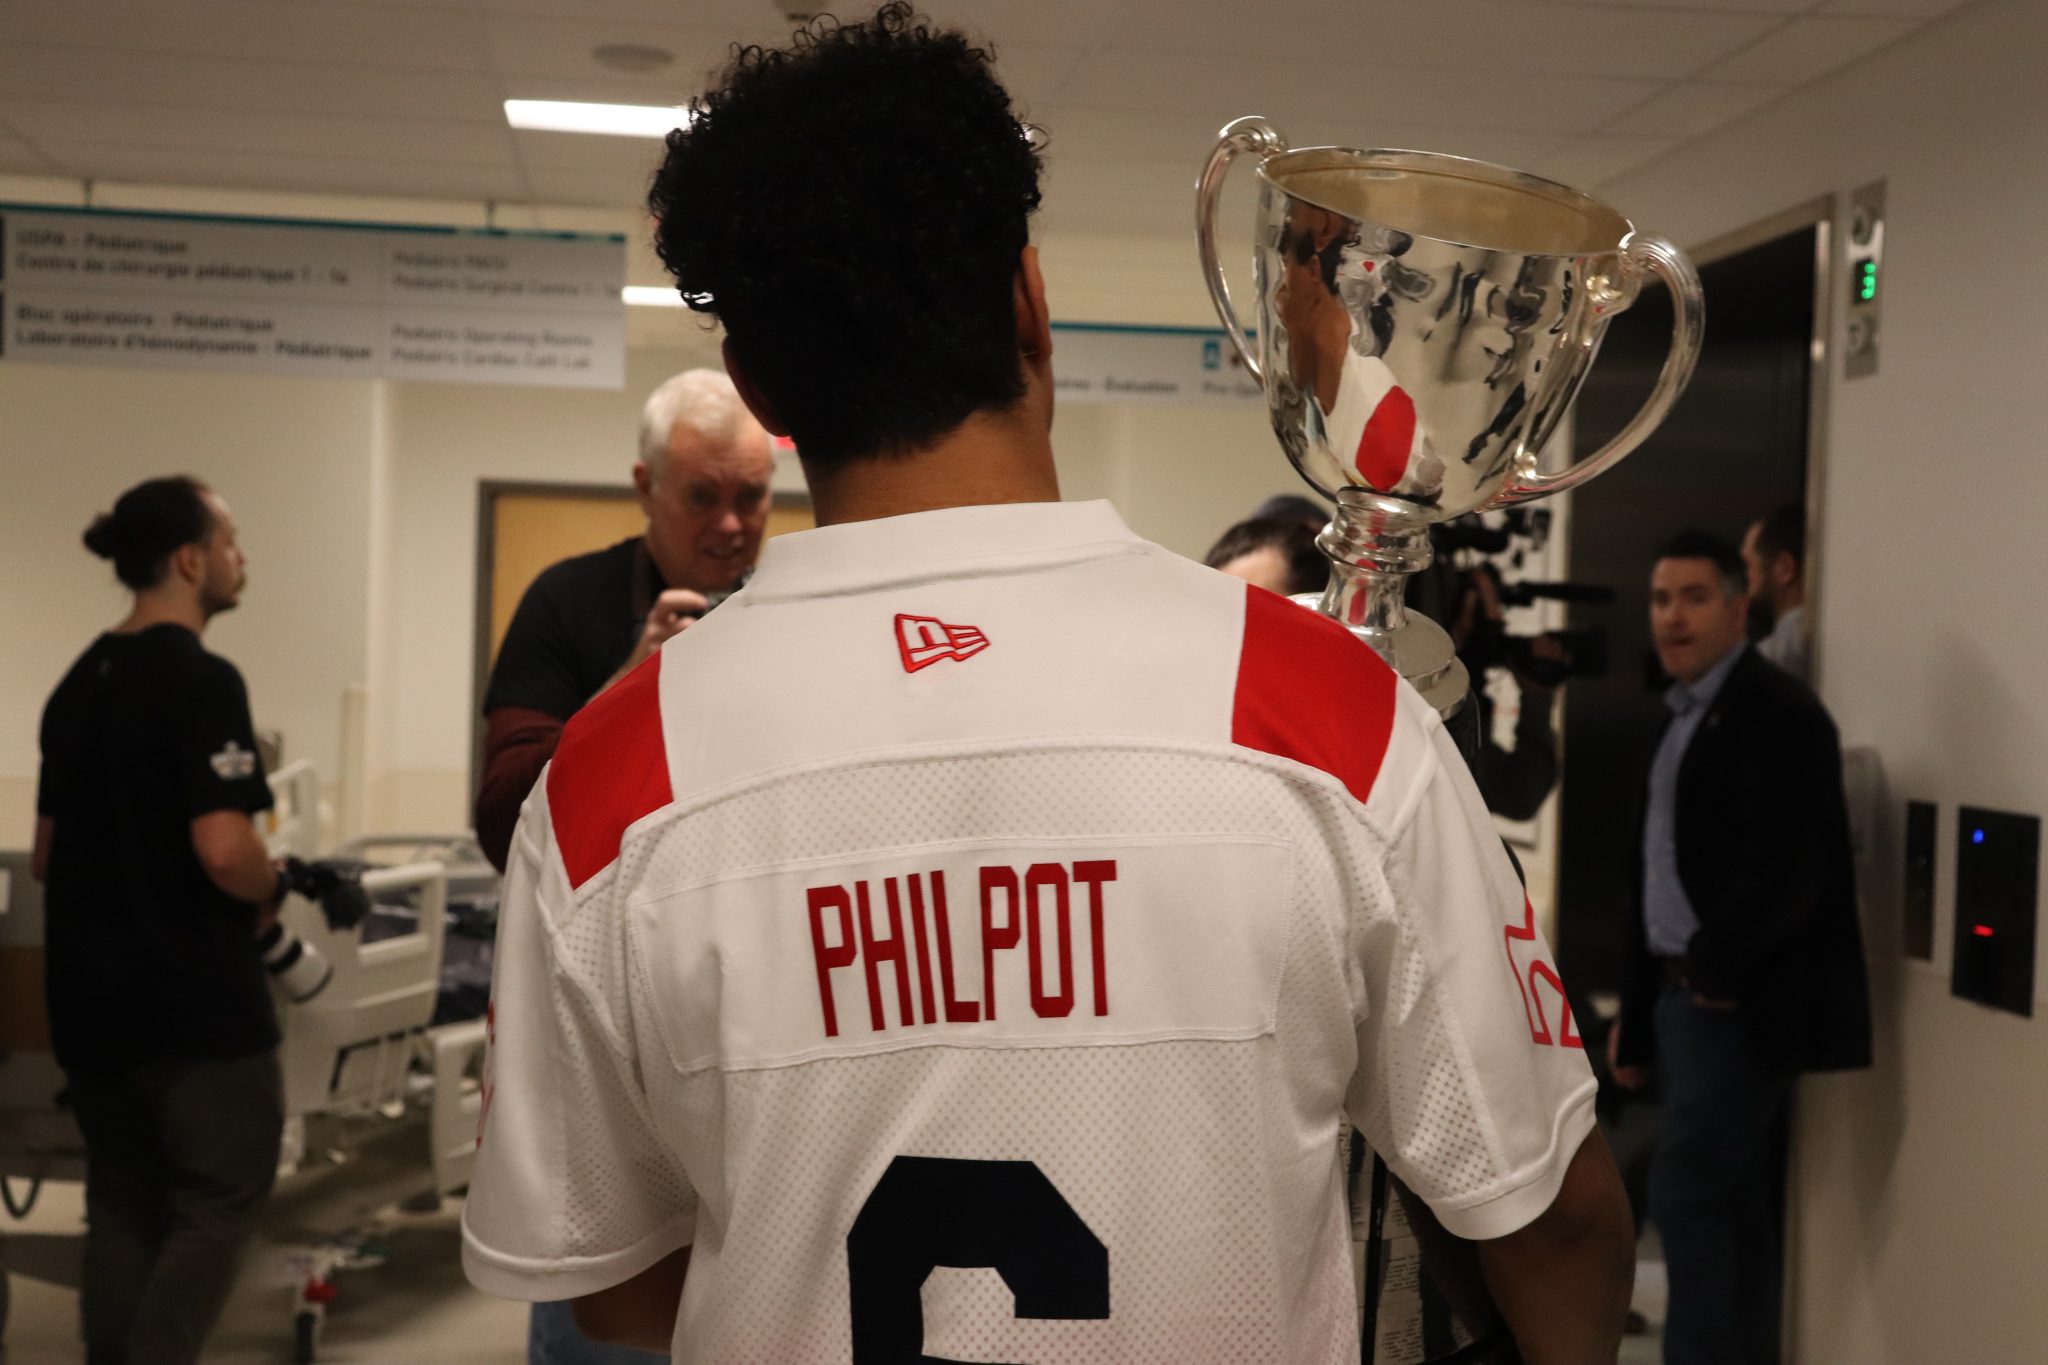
(988, 979)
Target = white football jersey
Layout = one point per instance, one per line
(968, 939)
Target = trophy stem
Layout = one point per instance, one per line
(1372, 549)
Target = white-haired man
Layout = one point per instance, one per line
(703, 479)
(586, 622)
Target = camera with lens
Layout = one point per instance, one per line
(301, 970)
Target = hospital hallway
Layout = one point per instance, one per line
(1432, 594)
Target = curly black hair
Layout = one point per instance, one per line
(852, 208)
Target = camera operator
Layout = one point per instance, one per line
(1463, 588)
(703, 479)
(1515, 781)
(158, 885)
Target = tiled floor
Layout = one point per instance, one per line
(1649, 1301)
(415, 1309)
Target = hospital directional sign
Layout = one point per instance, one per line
(1115, 363)
(285, 296)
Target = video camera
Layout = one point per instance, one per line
(1548, 658)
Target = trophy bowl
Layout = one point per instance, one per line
(1424, 323)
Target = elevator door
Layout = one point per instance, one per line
(1733, 449)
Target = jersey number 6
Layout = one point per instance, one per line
(929, 1211)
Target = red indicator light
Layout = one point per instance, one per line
(1983, 930)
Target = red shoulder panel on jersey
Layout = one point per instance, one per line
(1310, 690)
(611, 769)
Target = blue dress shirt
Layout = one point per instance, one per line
(1668, 917)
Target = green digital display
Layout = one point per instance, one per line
(1866, 281)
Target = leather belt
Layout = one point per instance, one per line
(1677, 971)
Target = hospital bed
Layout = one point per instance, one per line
(382, 1069)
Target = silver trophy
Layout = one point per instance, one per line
(1424, 321)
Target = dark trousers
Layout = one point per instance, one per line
(1716, 1187)
(180, 1156)
(552, 1338)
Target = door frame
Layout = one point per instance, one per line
(488, 491)
(1821, 213)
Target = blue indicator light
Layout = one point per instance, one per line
(1976, 836)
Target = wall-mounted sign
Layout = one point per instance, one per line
(279, 296)
(1097, 363)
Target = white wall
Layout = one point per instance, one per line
(1923, 1207)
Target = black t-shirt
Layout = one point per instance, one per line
(573, 628)
(146, 958)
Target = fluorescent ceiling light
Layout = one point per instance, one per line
(619, 120)
(651, 296)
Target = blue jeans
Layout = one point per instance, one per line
(1716, 1187)
(552, 1339)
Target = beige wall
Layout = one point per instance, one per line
(292, 458)
(1923, 1208)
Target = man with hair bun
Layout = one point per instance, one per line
(158, 885)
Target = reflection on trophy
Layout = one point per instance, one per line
(1424, 322)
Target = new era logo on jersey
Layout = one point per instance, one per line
(926, 640)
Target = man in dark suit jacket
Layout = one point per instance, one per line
(1748, 965)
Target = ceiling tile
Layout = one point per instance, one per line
(1064, 23)
(1694, 109)
(354, 137)
(1807, 49)
(1744, 6)
(1035, 75)
(1327, 102)
(523, 45)
(1898, 9)
(730, 13)
(632, 156)
(602, 189)
(370, 35)
(1080, 130)
(1588, 162)
(1084, 133)
(122, 161)
(1496, 35)
(20, 158)
(226, 83)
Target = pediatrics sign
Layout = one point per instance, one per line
(280, 296)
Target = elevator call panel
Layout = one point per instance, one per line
(1864, 242)
(1998, 858)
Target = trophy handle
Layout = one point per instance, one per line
(1249, 134)
(1662, 257)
